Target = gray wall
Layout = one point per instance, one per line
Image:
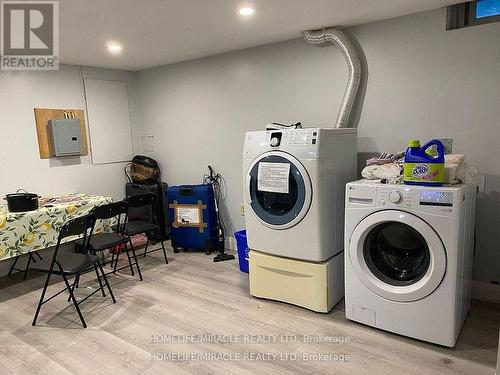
(20, 163)
(20, 92)
(423, 82)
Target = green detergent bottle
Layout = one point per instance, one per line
(424, 165)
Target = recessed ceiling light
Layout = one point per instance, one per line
(246, 11)
(114, 48)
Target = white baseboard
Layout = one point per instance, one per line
(480, 290)
(230, 244)
(485, 291)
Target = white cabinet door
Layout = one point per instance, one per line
(109, 121)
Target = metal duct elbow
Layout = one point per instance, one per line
(338, 38)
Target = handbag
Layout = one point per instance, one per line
(144, 170)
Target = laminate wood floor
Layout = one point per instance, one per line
(208, 304)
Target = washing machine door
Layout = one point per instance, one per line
(277, 200)
(397, 255)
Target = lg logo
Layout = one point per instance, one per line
(30, 34)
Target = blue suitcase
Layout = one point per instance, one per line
(193, 217)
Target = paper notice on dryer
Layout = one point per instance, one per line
(273, 177)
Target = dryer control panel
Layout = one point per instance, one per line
(295, 137)
(310, 143)
(300, 142)
(302, 137)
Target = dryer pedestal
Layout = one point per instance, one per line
(315, 286)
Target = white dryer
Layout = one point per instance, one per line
(294, 182)
(408, 258)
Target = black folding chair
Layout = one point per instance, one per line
(117, 239)
(71, 263)
(133, 227)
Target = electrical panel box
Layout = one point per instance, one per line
(66, 137)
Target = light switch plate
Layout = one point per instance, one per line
(448, 145)
(148, 143)
(482, 183)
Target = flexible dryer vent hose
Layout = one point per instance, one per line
(338, 38)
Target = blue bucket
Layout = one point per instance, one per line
(241, 243)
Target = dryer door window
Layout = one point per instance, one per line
(397, 255)
(279, 210)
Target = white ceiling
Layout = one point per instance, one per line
(160, 32)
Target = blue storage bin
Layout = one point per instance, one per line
(193, 217)
(241, 243)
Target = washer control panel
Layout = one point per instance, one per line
(436, 198)
(443, 201)
(429, 200)
(394, 196)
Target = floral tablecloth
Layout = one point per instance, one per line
(23, 232)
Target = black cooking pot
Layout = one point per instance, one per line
(22, 201)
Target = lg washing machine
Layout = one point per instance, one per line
(408, 258)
